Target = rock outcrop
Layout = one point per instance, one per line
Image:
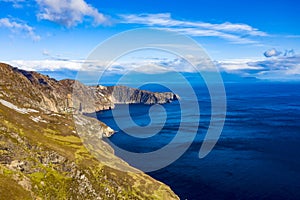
(123, 94)
(41, 153)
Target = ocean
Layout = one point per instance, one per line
(256, 157)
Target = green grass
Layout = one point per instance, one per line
(50, 184)
(12, 190)
(53, 181)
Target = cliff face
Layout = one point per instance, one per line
(31, 89)
(41, 154)
(123, 94)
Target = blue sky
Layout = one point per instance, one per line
(55, 34)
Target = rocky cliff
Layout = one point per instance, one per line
(41, 153)
(123, 94)
(43, 92)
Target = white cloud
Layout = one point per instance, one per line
(148, 66)
(293, 36)
(212, 33)
(61, 64)
(289, 52)
(45, 52)
(275, 68)
(69, 12)
(19, 27)
(237, 65)
(272, 53)
(16, 3)
(237, 33)
(46, 65)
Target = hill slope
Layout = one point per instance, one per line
(41, 154)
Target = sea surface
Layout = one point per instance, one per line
(256, 157)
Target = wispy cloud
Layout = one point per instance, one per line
(46, 65)
(238, 65)
(196, 32)
(15, 3)
(69, 13)
(147, 66)
(236, 33)
(275, 68)
(272, 53)
(64, 64)
(293, 36)
(19, 27)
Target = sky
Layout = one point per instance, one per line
(250, 38)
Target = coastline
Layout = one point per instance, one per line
(42, 154)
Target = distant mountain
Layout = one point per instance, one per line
(41, 153)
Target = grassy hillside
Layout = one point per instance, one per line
(42, 157)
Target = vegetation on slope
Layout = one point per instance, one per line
(42, 157)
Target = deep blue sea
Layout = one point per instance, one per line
(256, 157)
